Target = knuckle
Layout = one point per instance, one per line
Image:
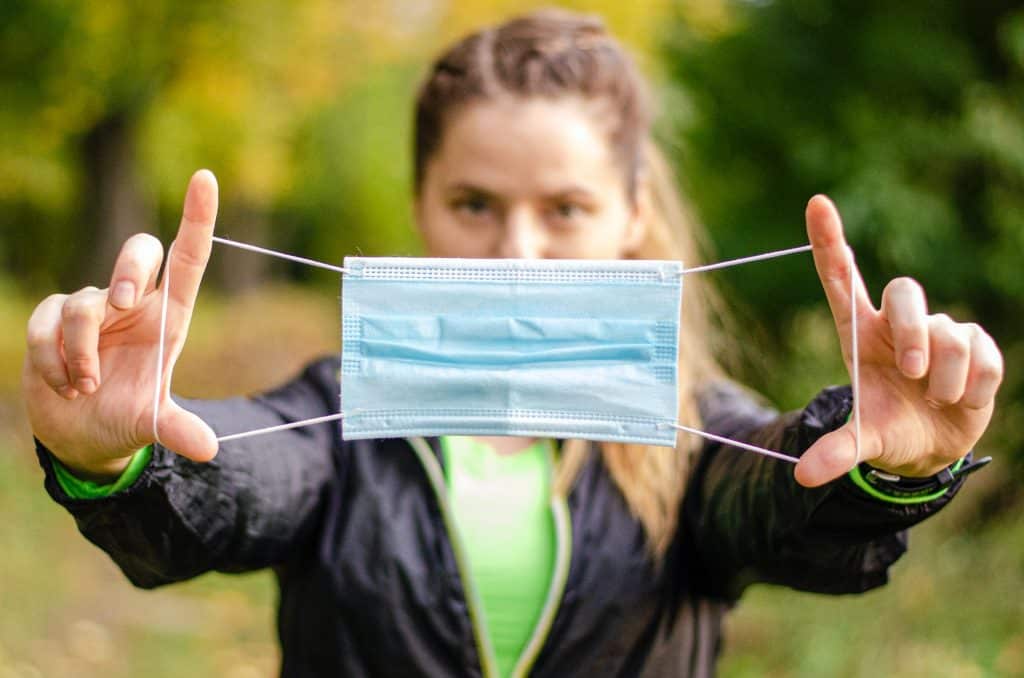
(77, 308)
(941, 398)
(46, 308)
(903, 291)
(909, 284)
(41, 324)
(53, 300)
(979, 394)
(989, 371)
(73, 311)
(975, 402)
(953, 346)
(128, 266)
(192, 259)
(144, 240)
(984, 339)
(37, 338)
(903, 285)
(840, 274)
(999, 362)
(141, 247)
(907, 327)
(79, 362)
(54, 379)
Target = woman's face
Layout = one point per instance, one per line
(528, 178)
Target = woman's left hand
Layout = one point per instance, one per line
(927, 383)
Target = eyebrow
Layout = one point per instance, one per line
(463, 187)
(562, 192)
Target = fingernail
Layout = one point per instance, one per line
(86, 385)
(913, 362)
(123, 295)
(68, 392)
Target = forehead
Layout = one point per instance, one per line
(526, 145)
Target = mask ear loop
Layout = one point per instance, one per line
(340, 415)
(854, 357)
(162, 341)
(746, 260)
(763, 451)
(158, 382)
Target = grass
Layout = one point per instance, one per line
(955, 606)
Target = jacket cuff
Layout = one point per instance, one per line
(78, 488)
(75, 502)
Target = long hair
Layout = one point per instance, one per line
(551, 54)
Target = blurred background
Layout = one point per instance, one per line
(910, 114)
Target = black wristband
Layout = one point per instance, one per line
(920, 489)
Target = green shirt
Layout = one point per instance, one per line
(502, 509)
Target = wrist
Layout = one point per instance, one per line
(80, 488)
(897, 489)
(103, 472)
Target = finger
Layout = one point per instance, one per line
(81, 317)
(950, 346)
(43, 338)
(184, 433)
(833, 260)
(135, 271)
(831, 456)
(191, 252)
(985, 372)
(906, 310)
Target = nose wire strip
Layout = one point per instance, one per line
(340, 415)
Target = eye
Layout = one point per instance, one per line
(566, 212)
(474, 205)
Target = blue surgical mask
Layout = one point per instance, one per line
(562, 348)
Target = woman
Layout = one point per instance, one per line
(469, 556)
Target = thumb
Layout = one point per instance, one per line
(184, 433)
(830, 457)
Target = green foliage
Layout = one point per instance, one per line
(908, 114)
(355, 194)
(301, 109)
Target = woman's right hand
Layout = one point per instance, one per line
(90, 370)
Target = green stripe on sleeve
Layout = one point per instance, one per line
(77, 488)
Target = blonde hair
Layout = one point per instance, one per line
(652, 479)
(551, 53)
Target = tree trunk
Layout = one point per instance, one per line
(116, 208)
(236, 270)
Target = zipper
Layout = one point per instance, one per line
(556, 589)
(488, 660)
(563, 556)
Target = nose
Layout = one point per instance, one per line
(522, 236)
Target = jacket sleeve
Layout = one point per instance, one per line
(247, 509)
(748, 520)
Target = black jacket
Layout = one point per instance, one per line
(370, 576)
